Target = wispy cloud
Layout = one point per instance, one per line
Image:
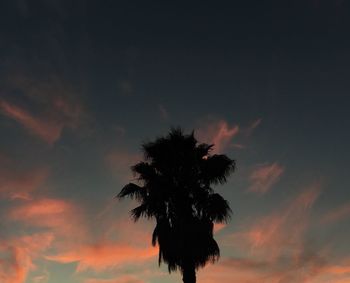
(309, 268)
(102, 256)
(118, 243)
(219, 133)
(285, 227)
(337, 214)
(61, 217)
(250, 129)
(20, 184)
(18, 255)
(275, 249)
(45, 130)
(264, 177)
(56, 106)
(122, 279)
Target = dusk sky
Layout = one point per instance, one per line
(83, 83)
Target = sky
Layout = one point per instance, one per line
(84, 83)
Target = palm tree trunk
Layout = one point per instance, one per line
(189, 273)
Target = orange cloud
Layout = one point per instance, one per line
(59, 216)
(218, 227)
(118, 242)
(264, 177)
(18, 255)
(104, 256)
(284, 229)
(125, 231)
(16, 183)
(275, 248)
(48, 131)
(122, 279)
(218, 133)
(57, 113)
(337, 214)
(311, 268)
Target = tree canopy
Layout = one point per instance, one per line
(174, 187)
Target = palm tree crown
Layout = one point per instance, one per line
(174, 188)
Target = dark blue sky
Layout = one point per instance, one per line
(84, 83)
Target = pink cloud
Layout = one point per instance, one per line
(250, 129)
(20, 184)
(118, 242)
(218, 133)
(274, 247)
(336, 214)
(18, 255)
(58, 113)
(104, 256)
(264, 177)
(281, 230)
(122, 279)
(284, 228)
(125, 231)
(218, 227)
(311, 268)
(45, 130)
(61, 217)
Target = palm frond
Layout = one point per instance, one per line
(132, 191)
(217, 208)
(203, 150)
(141, 210)
(144, 170)
(216, 168)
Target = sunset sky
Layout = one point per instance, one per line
(83, 83)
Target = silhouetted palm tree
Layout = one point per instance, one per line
(175, 189)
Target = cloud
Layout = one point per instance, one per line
(42, 278)
(118, 241)
(219, 133)
(20, 184)
(55, 102)
(218, 227)
(122, 279)
(44, 129)
(274, 248)
(103, 256)
(48, 129)
(250, 129)
(307, 268)
(61, 217)
(18, 255)
(284, 228)
(264, 177)
(337, 214)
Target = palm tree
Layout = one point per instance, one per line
(174, 188)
